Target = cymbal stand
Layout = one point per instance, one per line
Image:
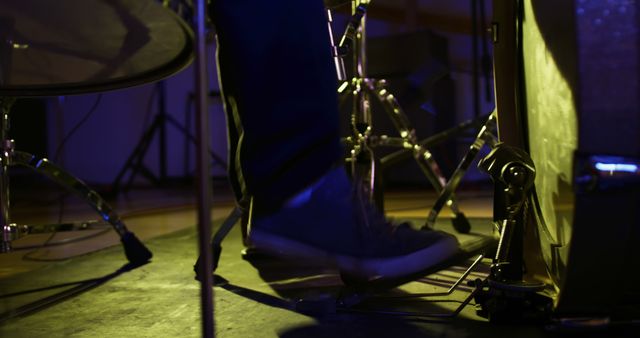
(362, 140)
(135, 251)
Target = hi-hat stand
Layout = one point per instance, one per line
(135, 251)
(363, 141)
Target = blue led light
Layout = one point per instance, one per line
(630, 168)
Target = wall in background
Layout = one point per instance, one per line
(99, 149)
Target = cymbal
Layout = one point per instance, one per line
(77, 46)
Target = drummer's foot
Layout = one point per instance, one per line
(333, 223)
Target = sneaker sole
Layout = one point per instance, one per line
(359, 269)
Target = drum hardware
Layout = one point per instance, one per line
(216, 242)
(505, 296)
(135, 251)
(203, 170)
(362, 141)
(581, 229)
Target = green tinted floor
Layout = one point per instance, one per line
(97, 295)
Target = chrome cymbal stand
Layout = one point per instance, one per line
(363, 140)
(135, 251)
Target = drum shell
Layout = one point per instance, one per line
(594, 47)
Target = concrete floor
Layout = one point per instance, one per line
(84, 289)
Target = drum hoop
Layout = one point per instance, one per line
(181, 61)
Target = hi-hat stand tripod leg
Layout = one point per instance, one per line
(135, 251)
(486, 135)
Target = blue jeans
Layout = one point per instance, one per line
(279, 89)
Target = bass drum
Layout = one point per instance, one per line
(575, 67)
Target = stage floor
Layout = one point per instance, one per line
(85, 289)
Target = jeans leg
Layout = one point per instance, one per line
(279, 90)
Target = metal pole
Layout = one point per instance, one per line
(6, 149)
(203, 171)
(162, 137)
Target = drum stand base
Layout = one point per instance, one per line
(135, 251)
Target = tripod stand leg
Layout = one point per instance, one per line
(135, 251)
(6, 151)
(423, 157)
(135, 161)
(485, 135)
(216, 242)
